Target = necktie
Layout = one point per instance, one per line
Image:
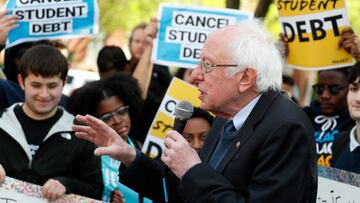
(226, 139)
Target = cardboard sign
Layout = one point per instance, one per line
(313, 29)
(13, 191)
(184, 29)
(337, 186)
(40, 20)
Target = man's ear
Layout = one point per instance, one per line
(247, 79)
(21, 81)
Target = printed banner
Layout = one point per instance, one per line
(40, 20)
(13, 190)
(164, 119)
(337, 186)
(313, 29)
(184, 29)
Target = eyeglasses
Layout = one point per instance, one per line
(121, 111)
(205, 66)
(333, 89)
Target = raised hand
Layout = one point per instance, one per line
(151, 30)
(350, 42)
(109, 142)
(7, 23)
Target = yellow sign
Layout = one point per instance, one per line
(313, 29)
(164, 119)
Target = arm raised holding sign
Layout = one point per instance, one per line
(350, 42)
(7, 23)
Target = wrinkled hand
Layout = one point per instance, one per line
(283, 45)
(101, 134)
(117, 197)
(7, 23)
(2, 174)
(151, 31)
(350, 42)
(53, 190)
(178, 155)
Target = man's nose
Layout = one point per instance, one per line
(197, 74)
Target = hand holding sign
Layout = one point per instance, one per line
(350, 42)
(7, 23)
(53, 190)
(151, 30)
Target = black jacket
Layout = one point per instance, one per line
(61, 156)
(272, 159)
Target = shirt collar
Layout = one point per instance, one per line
(242, 115)
(353, 142)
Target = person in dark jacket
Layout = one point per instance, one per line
(260, 147)
(329, 113)
(346, 148)
(37, 144)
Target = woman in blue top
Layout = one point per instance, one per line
(117, 101)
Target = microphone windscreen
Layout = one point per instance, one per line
(183, 110)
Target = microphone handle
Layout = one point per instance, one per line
(179, 125)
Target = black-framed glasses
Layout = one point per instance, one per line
(121, 111)
(205, 65)
(333, 89)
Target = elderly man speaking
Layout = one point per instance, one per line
(260, 147)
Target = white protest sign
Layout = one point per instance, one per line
(331, 191)
(52, 19)
(184, 29)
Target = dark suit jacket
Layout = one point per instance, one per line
(273, 160)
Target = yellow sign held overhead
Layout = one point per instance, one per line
(313, 29)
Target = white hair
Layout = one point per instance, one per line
(252, 47)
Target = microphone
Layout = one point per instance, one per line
(183, 111)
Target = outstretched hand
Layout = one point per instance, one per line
(109, 142)
(7, 23)
(350, 42)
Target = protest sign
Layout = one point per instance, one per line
(46, 19)
(313, 30)
(184, 29)
(337, 186)
(164, 119)
(13, 190)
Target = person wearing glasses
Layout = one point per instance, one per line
(260, 147)
(329, 112)
(117, 101)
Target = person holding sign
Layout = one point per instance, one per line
(248, 155)
(36, 142)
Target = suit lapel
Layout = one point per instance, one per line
(248, 127)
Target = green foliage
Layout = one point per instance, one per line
(125, 14)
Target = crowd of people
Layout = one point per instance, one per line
(257, 144)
